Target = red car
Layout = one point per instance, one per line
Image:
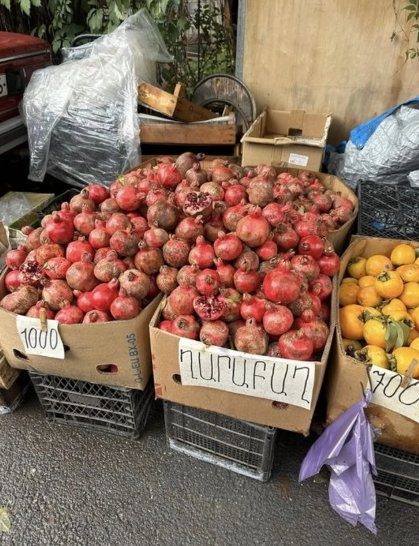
(20, 56)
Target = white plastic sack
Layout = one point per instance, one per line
(388, 156)
(81, 116)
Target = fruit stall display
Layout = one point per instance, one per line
(376, 342)
(241, 253)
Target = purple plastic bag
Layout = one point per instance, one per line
(347, 448)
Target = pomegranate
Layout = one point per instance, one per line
(15, 258)
(56, 268)
(196, 174)
(233, 215)
(251, 338)
(228, 247)
(47, 251)
(185, 326)
(11, 280)
(109, 207)
(164, 215)
(69, 314)
(167, 279)
(253, 307)
(277, 320)
(190, 228)
(311, 245)
(124, 307)
(156, 237)
(103, 295)
(84, 222)
(155, 195)
(214, 332)
(33, 239)
(40, 308)
(213, 226)
(95, 317)
(118, 221)
(197, 203)
(125, 242)
(301, 304)
(234, 326)
(246, 280)
(214, 189)
(166, 326)
(234, 194)
(77, 202)
(109, 268)
(148, 259)
(66, 213)
(182, 191)
(135, 283)
(98, 237)
(139, 225)
(225, 273)
(202, 254)
(260, 191)
(97, 193)
(232, 300)
(80, 275)
(21, 300)
(253, 229)
(316, 330)
(267, 251)
(281, 285)
(322, 201)
(129, 198)
(273, 350)
(329, 264)
(209, 307)
(187, 275)
(55, 291)
(167, 311)
(266, 171)
(30, 272)
(76, 249)
(285, 237)
(187, 160)
(322, 286)
(248, 258)
(295, 345)
(176, 252)
(84, 301)
(207, 282)
(274, 213)
(181, 300)
(101, 253)
(169, 175)
(221, 173)
(324, 313)
(306, 265)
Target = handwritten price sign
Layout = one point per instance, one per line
(38, 341)
(387, 391)
(287, 381)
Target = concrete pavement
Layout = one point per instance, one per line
(66, 486)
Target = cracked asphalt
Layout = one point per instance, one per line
(71, 487)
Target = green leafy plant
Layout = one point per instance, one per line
(411, 10)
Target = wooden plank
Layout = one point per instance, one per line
(337, 58)
(176, 107)
(182, 133)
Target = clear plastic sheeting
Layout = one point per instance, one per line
(13, 205)
(81, 116)
(388, 156)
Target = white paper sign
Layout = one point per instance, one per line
(287, 381)
(297, 159)
(387, 392)
(37, 342)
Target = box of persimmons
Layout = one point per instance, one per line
(376, 343)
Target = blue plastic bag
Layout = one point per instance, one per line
(347, 448)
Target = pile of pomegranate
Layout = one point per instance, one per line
(241, 253)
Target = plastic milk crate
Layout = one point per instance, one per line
(388, 211)
(398, 474)
(97, 407)
(242, 447)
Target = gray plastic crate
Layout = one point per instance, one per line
(102, 408)
(398, 474)
(242, 447)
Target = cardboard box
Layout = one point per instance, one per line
(347, 377)
(11, 398)
(295, 137)
(7, 374)
(124, 343)
(167, 380)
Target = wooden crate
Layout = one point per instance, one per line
(188, 133)
(174, 106)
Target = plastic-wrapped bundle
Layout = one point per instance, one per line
(81, 116)
(387, 156)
